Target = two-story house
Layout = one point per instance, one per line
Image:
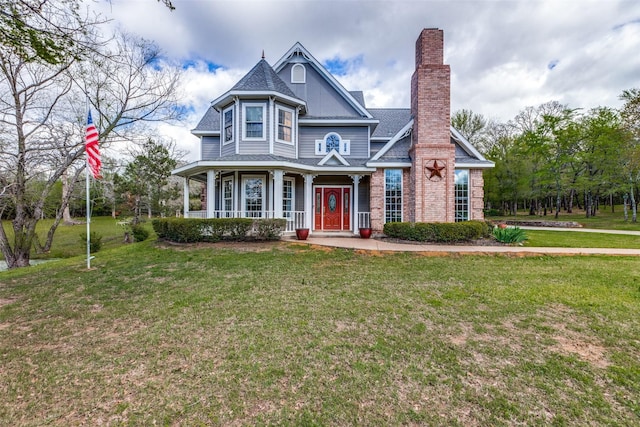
(289, 141)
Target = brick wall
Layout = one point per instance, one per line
(433, 199)
(476, 196)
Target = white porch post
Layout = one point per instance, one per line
(277, 193)
(185, 197)
(354, 211)
(211, 193)
(308, 201)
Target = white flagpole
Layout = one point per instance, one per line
(87, 171)
(88, 215)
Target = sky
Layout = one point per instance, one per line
(504, 55)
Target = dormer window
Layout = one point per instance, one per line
(333, 141)
(298, 73)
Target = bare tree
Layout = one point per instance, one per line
(42, 117)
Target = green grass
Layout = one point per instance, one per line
(66, 242)
(293, 335)
(576, 239)
(604, 219)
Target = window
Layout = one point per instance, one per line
(333, 141)
(227, 197)
(285, 125)
(254, 121)
(228, 125)
(253, 197)
(298, 73)
(393, 195)
(462, 195)
(288, 197)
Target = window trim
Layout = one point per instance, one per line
(401, 193)
(244, 211)
(344, 147)
(277, 121)
(224, 199)
(293, 195)
(244, 122)
(304, 74)
(233, 126)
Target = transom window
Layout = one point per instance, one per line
(462, 195)
(254, 121)
(285, 125)
(333, 141)
(393, 195)
(228, 125)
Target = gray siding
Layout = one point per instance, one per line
(284, 150)
(359, 137)
(363, 195)
(229, 149)
(209, 147)
(322, 99)
(255, 147)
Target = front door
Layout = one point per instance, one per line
(332, 209)
(332, 206)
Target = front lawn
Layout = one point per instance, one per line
(294, 335)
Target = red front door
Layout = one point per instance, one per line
(331, 208)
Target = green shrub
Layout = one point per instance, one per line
(509, 234)
(190, 230)
(95, 241)
(269, 229)
(437, 232)
(140, 234)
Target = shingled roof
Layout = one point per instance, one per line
(263, 78)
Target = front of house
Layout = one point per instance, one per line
(288, 141)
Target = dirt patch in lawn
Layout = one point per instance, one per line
(246, 246)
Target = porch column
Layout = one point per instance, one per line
(308, 200)
(211, 193)
(185, 197)
(277, 193)
(354, 211)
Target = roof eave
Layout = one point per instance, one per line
(225, 99)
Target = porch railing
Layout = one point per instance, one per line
(295, 219)
(364, 220)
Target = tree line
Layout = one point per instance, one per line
(553, 158)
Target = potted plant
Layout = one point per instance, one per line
(302, 233)
(365, 232)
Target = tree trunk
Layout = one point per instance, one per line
(66, 194)
(625, 201)
(613, 210)
(634, 208)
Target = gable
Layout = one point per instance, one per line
(330, 98)
(322, 99)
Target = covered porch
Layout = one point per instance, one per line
(327, 202)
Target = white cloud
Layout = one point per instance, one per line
(499, 51)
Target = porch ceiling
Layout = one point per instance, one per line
(201, 167)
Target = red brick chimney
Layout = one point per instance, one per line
(432, 154)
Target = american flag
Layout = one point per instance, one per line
(92, 148)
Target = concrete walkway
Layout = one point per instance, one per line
(386, 246)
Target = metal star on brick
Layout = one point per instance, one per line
(435, 169)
